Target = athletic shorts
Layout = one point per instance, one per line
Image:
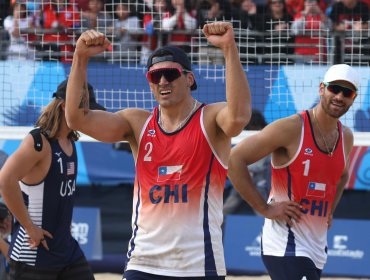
(297, 268)
(79, 270)
(138, 275)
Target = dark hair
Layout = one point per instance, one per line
(273, 1)
(187, 3)
(4, 212)
(257, 121)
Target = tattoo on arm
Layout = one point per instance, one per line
(84, 104)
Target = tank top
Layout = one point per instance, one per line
(177, 204)
(50, 206)
(310, 178)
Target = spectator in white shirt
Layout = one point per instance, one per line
(16, 25)
(180, 17)
(125, 29)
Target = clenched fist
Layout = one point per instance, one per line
(220, 34)
(90, 43)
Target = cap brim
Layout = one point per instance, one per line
(59, 95)
(346, 80)
(96, 106)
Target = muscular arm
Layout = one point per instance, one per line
(233, 117)
(274, 137)
(103, 126)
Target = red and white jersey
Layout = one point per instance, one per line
(177, 204)
(309, 178)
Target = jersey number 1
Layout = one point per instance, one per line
(306, 167)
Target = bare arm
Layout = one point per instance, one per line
(17, 166)
(237, 112)
(104, 126)
(253, 149)
(4, 247)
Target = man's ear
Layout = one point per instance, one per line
(191, 79)
(322, 89)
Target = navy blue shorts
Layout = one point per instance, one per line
(138, 275)
(283, 268)
(79, 270)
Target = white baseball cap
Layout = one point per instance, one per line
(342, 72)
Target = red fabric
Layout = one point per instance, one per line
(67, 18)
(294, 7)
(82, 4)
(310, 165)
(178, 38)
(312, 23)
(152, 40)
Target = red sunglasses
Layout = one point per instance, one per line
(170, 74)
(336, 89)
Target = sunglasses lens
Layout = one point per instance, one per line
(170, 74)
(347, 92)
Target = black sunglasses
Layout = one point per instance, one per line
(347, 92)
(170, 74)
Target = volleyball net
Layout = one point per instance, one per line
(284, 64)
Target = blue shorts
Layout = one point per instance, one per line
(283, 268)
(138, 275)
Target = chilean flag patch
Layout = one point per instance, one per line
(316, 189)
(169, 173)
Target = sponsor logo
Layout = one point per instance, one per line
(151, 133)
(254, 249)
(308, 152)
(80, 232)
(340, 248)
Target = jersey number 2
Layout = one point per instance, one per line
(148, 148)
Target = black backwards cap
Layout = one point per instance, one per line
(61, 94)
(171, 53)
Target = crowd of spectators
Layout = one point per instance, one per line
(268, 31)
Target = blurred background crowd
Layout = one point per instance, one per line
(268, 31)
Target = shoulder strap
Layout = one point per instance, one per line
(36, 134)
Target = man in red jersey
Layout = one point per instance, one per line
(310, 154)
(181, 150)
